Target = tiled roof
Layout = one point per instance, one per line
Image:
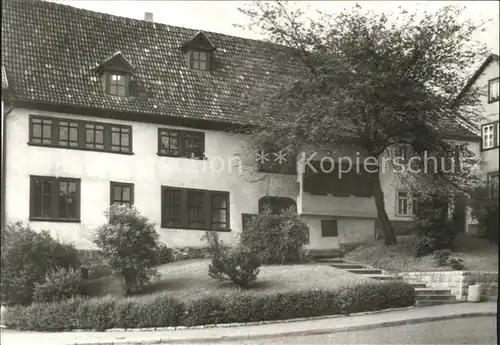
(51, 52)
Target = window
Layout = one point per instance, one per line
(68, 133)
(490, 135)
(493, 90)
(120, 138)
(177, 143)
(41, 131)
(117, 84)
(276, 205)
(195, 209)
(55, 199)
(122, 193)
(407, 203)
(83, 135)
(199, 60)
(493, 185)
(329, 228)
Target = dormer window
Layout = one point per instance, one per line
(116, 73)
(117, 84)
(199, 51)
(199, 60)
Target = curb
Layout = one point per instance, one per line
(292, 333)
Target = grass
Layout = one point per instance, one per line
(478, 254)
(188, 280)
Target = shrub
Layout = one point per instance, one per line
(277, 239)
(441, 257)
(129, 244)
(59, 285)
(434, 229)
(239, 264)
(163, 311)
(27, 256)
(457, 264)
(165, 254)
(486, 211)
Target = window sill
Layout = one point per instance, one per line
(54, 220)
(172, 156)
(193, 229)
(489, 148)
(81, 149)
(493, 100)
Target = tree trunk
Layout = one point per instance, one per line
(389, 235)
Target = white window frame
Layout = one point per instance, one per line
(493, 85)
(487, 130)
(410, 199)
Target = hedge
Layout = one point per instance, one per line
(165, 311)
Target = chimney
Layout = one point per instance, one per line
(148, 16)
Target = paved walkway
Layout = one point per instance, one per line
(320, 326)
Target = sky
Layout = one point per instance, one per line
(221, 16)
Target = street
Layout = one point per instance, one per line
(477, 330)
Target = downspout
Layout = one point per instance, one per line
(3, 214)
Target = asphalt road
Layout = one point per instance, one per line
(477, 330)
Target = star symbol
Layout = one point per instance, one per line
(280, 157)
(262, 157)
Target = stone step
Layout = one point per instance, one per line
(431, 291)
(435, 302)
(344, 265)
(435, 297)
(330, 260)
(383, 277)
(365, 270)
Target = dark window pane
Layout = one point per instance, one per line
(193, 144)
(219, 211)
(125, 194)
(172, 207)
(196, 205)
(329, 228)
(169, 142)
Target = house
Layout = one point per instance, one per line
(104, 109)
(487, 77)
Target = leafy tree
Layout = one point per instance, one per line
(372, 82)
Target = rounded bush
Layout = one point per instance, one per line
(27, 256)
(59, 285)
(129, 245)
(277, 239)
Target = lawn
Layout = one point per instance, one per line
(478, 254)
(189, 280)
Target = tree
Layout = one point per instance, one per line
(371, 81)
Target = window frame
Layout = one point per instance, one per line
(81, 136)
(411, 203)
(113, 184)
(490, 176)
(55, 201)
(181, 142)
(183, 206)
(109, 77)
(327, 234)
(490, 82)
(495, 141)
(192, 60)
